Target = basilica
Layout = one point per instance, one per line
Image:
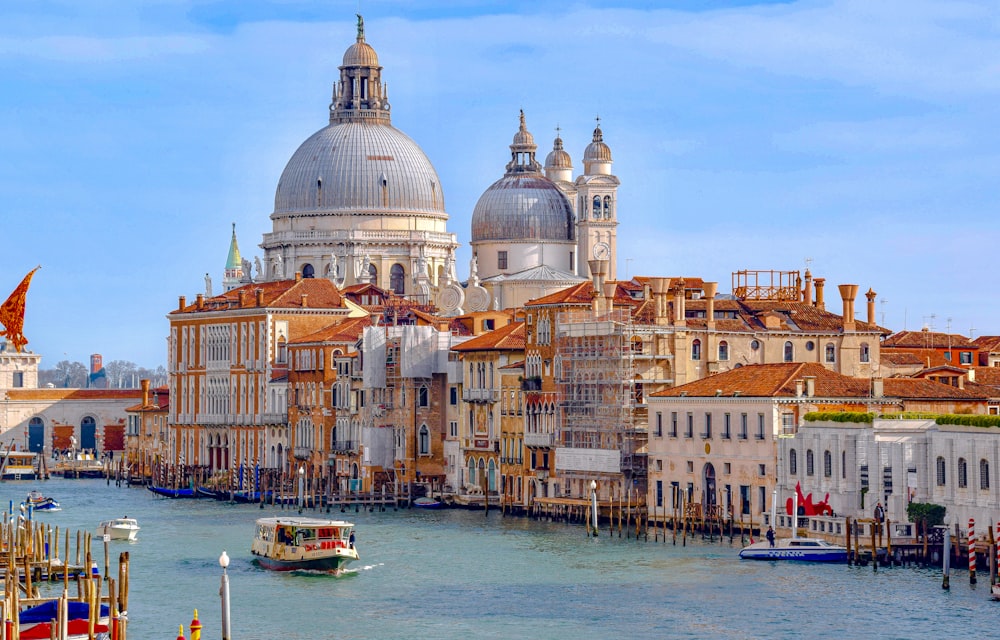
(360, 202)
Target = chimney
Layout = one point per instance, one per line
(199, 301)
(878, 387)
(810, 386)
(260, 297)
(181, 303)
(305, 300)
(597, 271)
(871, 305)
(808, 293)
(680, 317)
(798, 388)
(144, 383)
(298, 276)
(711, 288)
(848, 293)
(242, 298)
(661, 288)
(609, 295)
(819, 294)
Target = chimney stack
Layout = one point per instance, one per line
(848, 292)
(819, 294)
(680, 315)
(144, 384)
(199, 301)
(810, 386)
(878, 387)
(711, 288)
(242, 298)
(871, 305)
(597, 271)
(798, 388)
(661, 288)
(181, 303)
(609, 295)
(260, 297)
(808, 293)
(305, 300)
(298, 276)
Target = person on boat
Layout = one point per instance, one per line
(770, 536)
(350, 540)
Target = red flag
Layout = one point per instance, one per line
(12, 313)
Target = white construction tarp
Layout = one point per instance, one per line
(379, 446)
(418, 352)
(374, 357)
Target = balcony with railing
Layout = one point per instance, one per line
(480, 395)
(301, 453)
(344, 446)
(539, 439)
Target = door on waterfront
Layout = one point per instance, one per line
(709, 498)
(36, 435)
(88, 433)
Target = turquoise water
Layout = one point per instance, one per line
(461, 574)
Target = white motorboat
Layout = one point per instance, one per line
(119, 529)
(800, 549)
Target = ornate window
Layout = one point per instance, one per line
(723, 351)
(397, 279)
(696, 349)
(984, 474)
(940, 472)
(425, 440)
(793, 462)
(789, 353)
(963, 473)
(827, 464)
(809, 462)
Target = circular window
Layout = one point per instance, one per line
(810, 346)
(754, 344)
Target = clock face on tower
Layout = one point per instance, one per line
(602, 251)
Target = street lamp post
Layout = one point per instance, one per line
(593, 503)
(224, 594)
(302, 488)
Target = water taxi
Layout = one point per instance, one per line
(290, 543)
(119, 529)
(80, 465)
(800, 549)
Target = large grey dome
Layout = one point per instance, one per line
(523, 207)
(359, 167)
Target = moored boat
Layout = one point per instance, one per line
(35, 622)
(427, 503)
(798, 549)
(172, 493)
(119, 529)
(18, 465)
(289, 544)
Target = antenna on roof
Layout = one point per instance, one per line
(808, 262)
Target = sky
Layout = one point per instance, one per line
(852, 137)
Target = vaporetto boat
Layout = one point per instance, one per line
(313, 544)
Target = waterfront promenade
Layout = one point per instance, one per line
(463, 574)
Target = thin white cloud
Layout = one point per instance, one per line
(88, 49)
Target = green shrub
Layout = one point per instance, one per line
(839, 416)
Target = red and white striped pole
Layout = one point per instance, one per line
(998, 545)
(972, 551)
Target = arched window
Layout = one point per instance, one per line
(831, 352)
(984, 474)
(963, 473)
(866, 355)
(723, 351)
(940, 472)
(597, 207)
(789, 352)
(827, 464)
(793, 462)
(397, 280)
(696, 349)
(308, 271)
(607, 207)
(282, 349)
(423, 397)
(425, 440)
(809, 462)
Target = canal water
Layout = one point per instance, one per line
(464, 574)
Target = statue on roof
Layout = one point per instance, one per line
(361, 27)
(208, 286)
(247, 271)
(256, 262)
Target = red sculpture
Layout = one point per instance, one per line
(806, 506)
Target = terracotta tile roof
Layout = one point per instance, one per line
(988, 343)
(901, 358)
(919, 388)
(927, 340)
(320, 293)
(348, 330)
(987, 375)
(772, 380)
(513, 365)
(578, 294)
(508, 338)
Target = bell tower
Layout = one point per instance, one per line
(597, 208)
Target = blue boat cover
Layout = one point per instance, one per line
(46, 612)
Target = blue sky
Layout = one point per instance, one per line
(860, 136)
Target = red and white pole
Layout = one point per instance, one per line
(972, 551)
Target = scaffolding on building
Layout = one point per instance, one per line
(594, 375)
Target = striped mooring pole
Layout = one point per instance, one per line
(972, 551)
(998, 546)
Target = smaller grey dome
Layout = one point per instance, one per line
(558, 158)
(523, 207)
(597, 151)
